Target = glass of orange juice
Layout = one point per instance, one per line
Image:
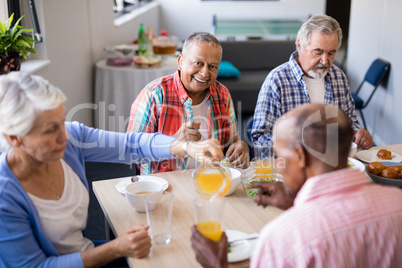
(208, 215)
(212, 181)
(264, 161)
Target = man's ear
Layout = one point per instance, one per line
(298, 47)
(301, 156)
(180, 61)
(14, 140)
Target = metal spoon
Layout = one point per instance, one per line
(242, 239)
(135, 178)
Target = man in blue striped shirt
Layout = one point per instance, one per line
(308, 77)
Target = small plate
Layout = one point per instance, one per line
(121, 185)
(241, 250)
(371, 156)
(356, 164)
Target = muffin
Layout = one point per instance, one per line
(384, 154)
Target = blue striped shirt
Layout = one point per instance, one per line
(285, 88)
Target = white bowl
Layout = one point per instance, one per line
(353, 149)
(236, 178)
(136, 200)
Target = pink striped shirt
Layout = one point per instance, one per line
(339, 219)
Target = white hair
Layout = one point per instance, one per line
(322, 24)
(200, 38)
(22, 98)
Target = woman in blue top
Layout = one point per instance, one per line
(43, 189)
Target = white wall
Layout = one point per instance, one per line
(76, 31)
(374, 33)
(183, 17)
(68, 47)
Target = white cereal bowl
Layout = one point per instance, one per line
(137, 201)
(236, 178)
(353, 149)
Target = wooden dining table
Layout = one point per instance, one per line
(240, 213)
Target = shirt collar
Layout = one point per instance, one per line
(294, 66)
(339, 181)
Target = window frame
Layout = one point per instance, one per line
(127, 6)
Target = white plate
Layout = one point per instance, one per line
(121, 185)
(356, 164)
(371, 156)
(240, 250)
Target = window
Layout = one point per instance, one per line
(121, 7)
(31, 20)
(28, 10)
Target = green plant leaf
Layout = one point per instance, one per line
(2, 28)
(10, 19)
(16, 25)
(28, 39)
(30, 49)
(17, 35)
(23, 53)
(27, 30)
(14, 39)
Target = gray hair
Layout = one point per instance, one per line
(199, 38)
(22, 98)
(319, 23)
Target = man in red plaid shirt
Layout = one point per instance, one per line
(190, 105)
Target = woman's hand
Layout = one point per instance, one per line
(205, 151)
(134, 242)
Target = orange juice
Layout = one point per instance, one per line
(210, 229)
(263, 169)
(210, 183)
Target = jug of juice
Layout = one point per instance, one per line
(212, 181)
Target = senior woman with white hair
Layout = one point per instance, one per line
(43, 189)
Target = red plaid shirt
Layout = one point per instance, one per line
(164, 106)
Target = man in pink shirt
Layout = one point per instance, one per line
(338, 218)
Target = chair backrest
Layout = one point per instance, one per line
(377, 71)
(375, 75)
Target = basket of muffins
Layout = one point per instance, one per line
(387, 173)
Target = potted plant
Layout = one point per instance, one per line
(14, 45)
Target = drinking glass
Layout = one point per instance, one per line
(264, 161)
(208, 214)
(159, 216)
